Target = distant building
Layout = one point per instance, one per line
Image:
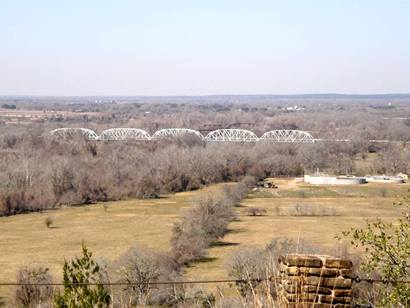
(295, 108)
(385, 179)
(333, 180)
(324, 179)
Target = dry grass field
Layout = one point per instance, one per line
(351, 206)
(109, 229)
(25, 239)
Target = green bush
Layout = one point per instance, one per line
(83, 286)
(387, 256)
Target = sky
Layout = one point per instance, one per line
(204, 47)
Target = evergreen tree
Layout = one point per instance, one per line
(83, 285)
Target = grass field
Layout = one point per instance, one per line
(352, 204)
(25, 239)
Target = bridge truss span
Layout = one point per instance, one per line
(116, 134)
(176, 132)
(65, 133)
(225, 135)
(284, 135)
(232, 135)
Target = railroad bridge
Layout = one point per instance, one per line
(218, 135)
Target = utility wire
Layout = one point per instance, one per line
(356, 280)
(371, 280)
(141, 283)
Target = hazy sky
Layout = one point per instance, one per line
(175, 47)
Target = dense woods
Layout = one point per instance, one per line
(40, 172)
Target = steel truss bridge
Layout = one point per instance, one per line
(218, 135)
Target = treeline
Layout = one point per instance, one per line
(41, 173)
(325, 119)
(38, 172)
(207, 222)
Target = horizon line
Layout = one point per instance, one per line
(207, 95)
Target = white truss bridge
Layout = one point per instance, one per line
(176, 132)
(219, 135)
(65, 133)
(234, 135)
(115, 134)
(283, 135)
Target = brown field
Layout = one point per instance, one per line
(22, 116)
(25, 239)
(353, 205)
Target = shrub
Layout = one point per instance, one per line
(257, 265)
(148, 187)
(78, 274)
(140, 267)
(256, 211)
(204, 223)
(187, 242)
(387, 254)
(383, 192)
(311, 210)
(48, 221)
(231, 192)
(235, 193)
(34, 295)
(213, 212)
(182, 295)
(249, 182)
(246, 265)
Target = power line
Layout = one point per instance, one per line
(237, 281)
(385, 281)
(142, 283)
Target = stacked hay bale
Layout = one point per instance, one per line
(315, 281)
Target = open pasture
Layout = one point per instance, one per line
(109, 229)
(346, 207)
